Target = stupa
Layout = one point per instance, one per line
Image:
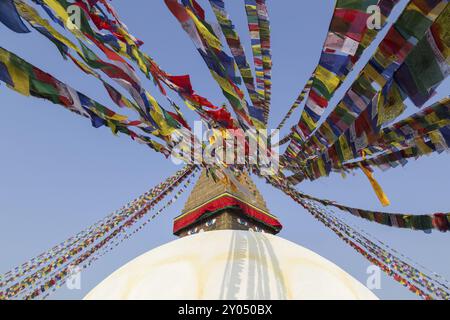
(228, 249)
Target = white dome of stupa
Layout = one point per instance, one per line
(230, 264)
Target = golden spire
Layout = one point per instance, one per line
(236, 204)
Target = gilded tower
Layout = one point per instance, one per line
(221, 206)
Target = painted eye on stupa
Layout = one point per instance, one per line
(243, 222)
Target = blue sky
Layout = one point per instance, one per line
(58, 175)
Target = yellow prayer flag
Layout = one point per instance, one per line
(321, 166)
(328, 78)
(225, 85)
(374, 75)
(210, 38)
(375, 185)
(20, 78)
(346, 152)
(391, 107)
(189, 105)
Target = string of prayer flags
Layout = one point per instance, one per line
(423, 222)
(425, 285)
(416, 280)
(35, 283)
(353, 28)
(397, 90)
(413, 278)
(248, 115)
(266, 51)
(124, 77)
(237, 50)
(259, 28)
(120, 73)
(165, 121)
(434, 117)
(398, 155)
(411, 275)
(119, 45)
(419, 134)
(297, 102)
(222, 67)
(427, 65)
(125, 235)
(350, 116)
(110, 220)
(29, 80)
(392, 156)
(253, 26)
(380, 68)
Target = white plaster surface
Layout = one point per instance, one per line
(230, 264)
